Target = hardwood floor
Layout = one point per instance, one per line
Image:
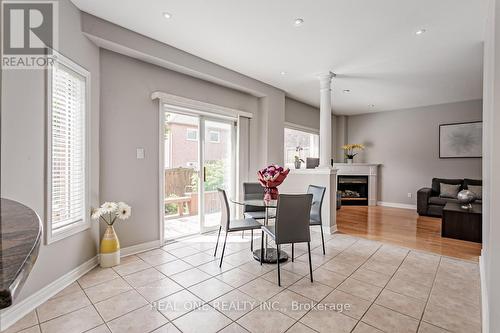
(403, 227)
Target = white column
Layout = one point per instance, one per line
(325, 120)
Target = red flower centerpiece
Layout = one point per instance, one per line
(270, 178)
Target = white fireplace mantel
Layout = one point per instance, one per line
(362, 169)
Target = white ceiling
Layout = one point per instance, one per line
(371, 45)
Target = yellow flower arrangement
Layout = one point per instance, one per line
(349, 149)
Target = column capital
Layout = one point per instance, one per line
(325, 79)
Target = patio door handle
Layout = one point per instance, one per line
(204, 174)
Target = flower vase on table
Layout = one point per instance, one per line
(270, 178)
(109, 248)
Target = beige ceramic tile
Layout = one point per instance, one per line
(178, 304)
(365, 328)
(131, 267)
(33, 329)
(327, 277)
(238, 258)
(74, 287)
(233, 328)
(25, 322)
(74, 322)
(341, 267)
(190, 277)
(408, 288)
(328, 321)
(347, 304)
(449, 319)
(96, 276)
(235, 304)
(159, 258)
(300, 328)
(120, 304)
(62, 305)
(313, 290)
(183, 251)
(130, 258)
(428, 328)
(213, 268)
(260, 289)
(108, 289)
(210, 289)
(144, 319)
(168, 328)
(266, 321)
(144, 277)
(287, 278)
(254, 267)
(380, 266)
(159, 289)
(298, 267)
(292, 304)
(409, 306)
(236, 277)
(360, 289)
(100, 329)
(198, 259)
(205, 319)
(371, 277)
(389, 321)
(174, 267)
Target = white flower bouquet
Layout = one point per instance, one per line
(109, 212)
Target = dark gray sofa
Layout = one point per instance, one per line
(429, 203)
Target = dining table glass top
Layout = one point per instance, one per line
(256, 202)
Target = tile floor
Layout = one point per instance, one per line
(360, 286)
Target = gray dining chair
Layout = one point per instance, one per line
(293, 214)
(254, 191)
(232, 225)
(318, 193)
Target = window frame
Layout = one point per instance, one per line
(189, 129)
(299, 128)
(84, 224)
(210, 132)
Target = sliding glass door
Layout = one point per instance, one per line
(199, 158)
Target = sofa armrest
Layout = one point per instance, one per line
(423, 196)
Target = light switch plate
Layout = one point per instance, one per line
(140, 153)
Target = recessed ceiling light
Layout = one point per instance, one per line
(167, 15)
(371, 105)
(283, 73)
(420, 32)
(298, 22)
(346, 91)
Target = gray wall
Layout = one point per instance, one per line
(23, 151)
(490, 258)
(129, 119)
(406, 143)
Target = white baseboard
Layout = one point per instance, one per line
(396, 205)
(329, 230)
(17, 311)
(485, 313)
(130, 250)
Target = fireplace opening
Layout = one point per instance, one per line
(353, 190)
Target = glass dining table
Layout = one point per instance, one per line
(270, 253)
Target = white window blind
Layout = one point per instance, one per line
(68, 157)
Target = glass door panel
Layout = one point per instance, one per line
(182, 166)
(218, 168)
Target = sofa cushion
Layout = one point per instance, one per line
(449, 190)
(477, 190)
(440, 201)
(475, 182)
(437, 181)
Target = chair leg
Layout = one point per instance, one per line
(310, 262)
(262, 248)
(278, 263)
(322, 239)
(217, 243)
(293, 248)
(223, 249)
(251, 240)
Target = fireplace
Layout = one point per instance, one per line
(353, 190)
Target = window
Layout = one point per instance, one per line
(214, 136)
(300, 143)
(191, 134)
(67, 156)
